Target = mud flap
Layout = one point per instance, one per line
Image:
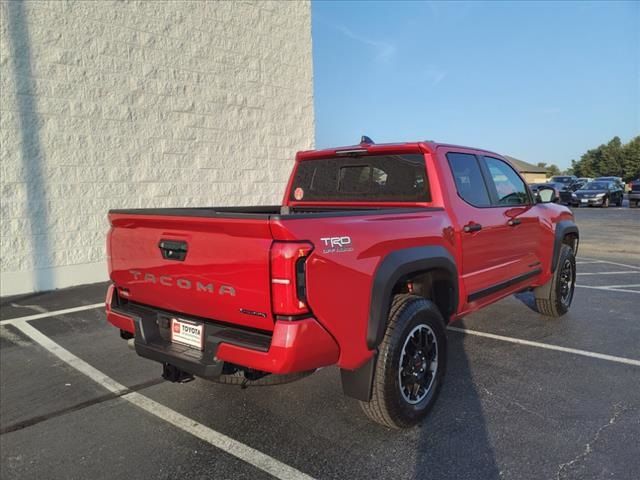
(358, 383)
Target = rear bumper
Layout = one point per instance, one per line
(293, 346)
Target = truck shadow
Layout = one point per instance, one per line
(454, 440)
(528, 299)
(326, 435)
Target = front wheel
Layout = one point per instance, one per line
(411, 363)
(605, 202)
(554, 298)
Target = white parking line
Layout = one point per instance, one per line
(612, 288)
(595, 260)
(547, 346)
(631, 272)
(36, 316)
(233, 447)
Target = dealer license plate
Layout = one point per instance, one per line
(187, 333)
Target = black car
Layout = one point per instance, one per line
(598, 193)
(578, 185)
(618, 180)
(565, 186)
(634, 193)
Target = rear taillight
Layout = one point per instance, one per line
(288, 280)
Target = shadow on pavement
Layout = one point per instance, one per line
(454, 440)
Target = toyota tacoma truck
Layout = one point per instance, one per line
(374, 250)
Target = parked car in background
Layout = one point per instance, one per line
(634, 193)
(535, 187)
(598, 193)
(564, 179)
(578, 185)
(564, 184)
(618, 180)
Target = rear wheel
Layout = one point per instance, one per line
(554, 298)
(411, 363)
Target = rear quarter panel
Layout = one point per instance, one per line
(339, 280)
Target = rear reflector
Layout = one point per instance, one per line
(288, 279)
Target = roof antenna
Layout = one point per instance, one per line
(364, 140)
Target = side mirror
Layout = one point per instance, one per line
(547, 195)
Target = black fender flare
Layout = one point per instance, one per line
(400, 263)
(563, 228)
(393, 267)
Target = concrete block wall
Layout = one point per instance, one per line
(140, 104)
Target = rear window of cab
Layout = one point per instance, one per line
(371, 178)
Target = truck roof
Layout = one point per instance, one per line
(382, 148)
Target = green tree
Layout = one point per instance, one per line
(631, 159)
(611, 159)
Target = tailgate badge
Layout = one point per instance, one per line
(183, 283)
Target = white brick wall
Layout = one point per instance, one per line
(140, 104)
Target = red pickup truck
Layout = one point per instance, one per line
(374, 250)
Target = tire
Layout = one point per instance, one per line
(554, 298)
(238, 378)
(605, 202)
(412, 320)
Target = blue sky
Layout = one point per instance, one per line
(541, 81)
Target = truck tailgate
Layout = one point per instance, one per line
(216, 268)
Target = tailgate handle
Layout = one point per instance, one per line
(173, 249)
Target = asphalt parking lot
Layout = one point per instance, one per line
(525, 396)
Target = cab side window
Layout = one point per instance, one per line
(509, 187)
(468, 177)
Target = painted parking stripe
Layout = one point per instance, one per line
(227, 444)
(595, 260)
(625, 272)
(547, 346)
(54, 313)
(612, 288)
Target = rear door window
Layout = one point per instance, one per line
(468, 177)
(374, 178)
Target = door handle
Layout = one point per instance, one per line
(514, 221)
(173, 249)
(472, 227)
